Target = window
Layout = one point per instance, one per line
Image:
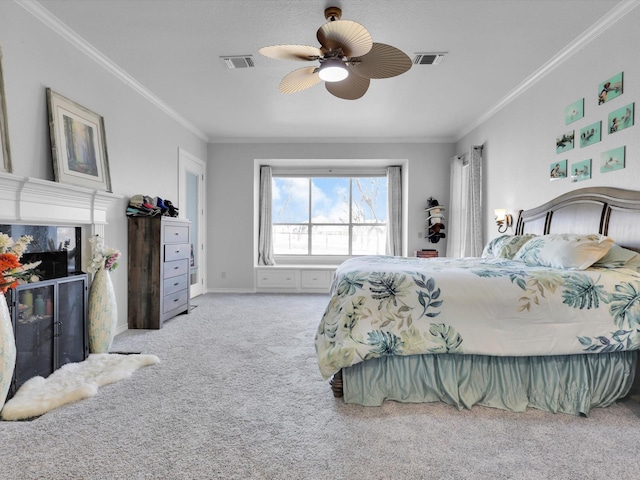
(329, 215)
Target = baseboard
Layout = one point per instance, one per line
(230, 290)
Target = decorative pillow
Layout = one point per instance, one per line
(618, 257)
(509, 247)
(633, 263)
(564, 250)
(505, 246)
(491, 248)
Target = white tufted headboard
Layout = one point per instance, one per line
(610, 211)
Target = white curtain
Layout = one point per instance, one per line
(464, 238)
(265, 236)
(394, 208)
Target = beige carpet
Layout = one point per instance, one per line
(239, 396)
(72, 382)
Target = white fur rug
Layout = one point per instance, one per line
(72, 382)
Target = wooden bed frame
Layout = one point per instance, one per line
(610, 211)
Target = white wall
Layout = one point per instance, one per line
(519, 140)
(142, 141)
(231, 196)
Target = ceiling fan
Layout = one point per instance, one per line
(348, 59)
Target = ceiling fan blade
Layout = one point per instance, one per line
(351, 88)
(299, 80)
(292, 52)
(351, 37)
(382, 61)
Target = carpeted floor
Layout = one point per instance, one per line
(238, 395)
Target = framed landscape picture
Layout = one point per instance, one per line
(621, 118)
(5, 152)
(574, 112)
(78, 144)
(558, 170)
(610, 89)
(612, 160)
(590, 134)
(564, 142)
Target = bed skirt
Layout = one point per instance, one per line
(565, 383)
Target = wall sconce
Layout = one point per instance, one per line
(503, 219)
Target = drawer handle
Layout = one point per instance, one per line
(175, 300)
(176, 268)
(177, 251)
(176, 284)
(176, 233)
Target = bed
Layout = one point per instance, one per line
(548, 317)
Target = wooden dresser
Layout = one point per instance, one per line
(159, 259)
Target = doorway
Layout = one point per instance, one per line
(191, 195)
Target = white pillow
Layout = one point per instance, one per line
(564, 250)
(618, 257)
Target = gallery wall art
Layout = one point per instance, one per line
(595, 119)
(558, 170)
(574, 111)
(612, 160)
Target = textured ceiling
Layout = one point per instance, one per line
(173, 49)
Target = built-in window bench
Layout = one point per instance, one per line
(294, 278)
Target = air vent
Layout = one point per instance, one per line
(238, 61)
(428, 58)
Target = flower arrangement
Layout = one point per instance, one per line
(102, 257)
(12, 272)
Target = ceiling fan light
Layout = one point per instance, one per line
(333, 70)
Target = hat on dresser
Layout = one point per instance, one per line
(136, 201)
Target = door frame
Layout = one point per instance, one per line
(188, 163)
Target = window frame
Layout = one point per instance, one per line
(310, 174)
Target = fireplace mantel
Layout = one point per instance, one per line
(32, 201)
(27, 200)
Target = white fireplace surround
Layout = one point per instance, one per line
(32, 201)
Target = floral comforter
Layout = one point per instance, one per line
(403, 306)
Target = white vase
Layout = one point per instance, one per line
(103, 313)
(7, 350)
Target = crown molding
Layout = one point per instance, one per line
(339, 140)
(38, 11)
(602, 25)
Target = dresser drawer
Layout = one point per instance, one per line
(175, 268)
(175, 300)
(176, 234)
(176, 252)
(175, 284)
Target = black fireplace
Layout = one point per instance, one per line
(49, 317)
(57, 247)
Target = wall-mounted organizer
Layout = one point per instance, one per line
(435, 220)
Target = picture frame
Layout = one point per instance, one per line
(581, 170)
(574, 112)
(612, 160)
(590, 134)
(5, 151)
(610, 89)
(565, 142)
(78, 144)
(558, 170)
(621, 118)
